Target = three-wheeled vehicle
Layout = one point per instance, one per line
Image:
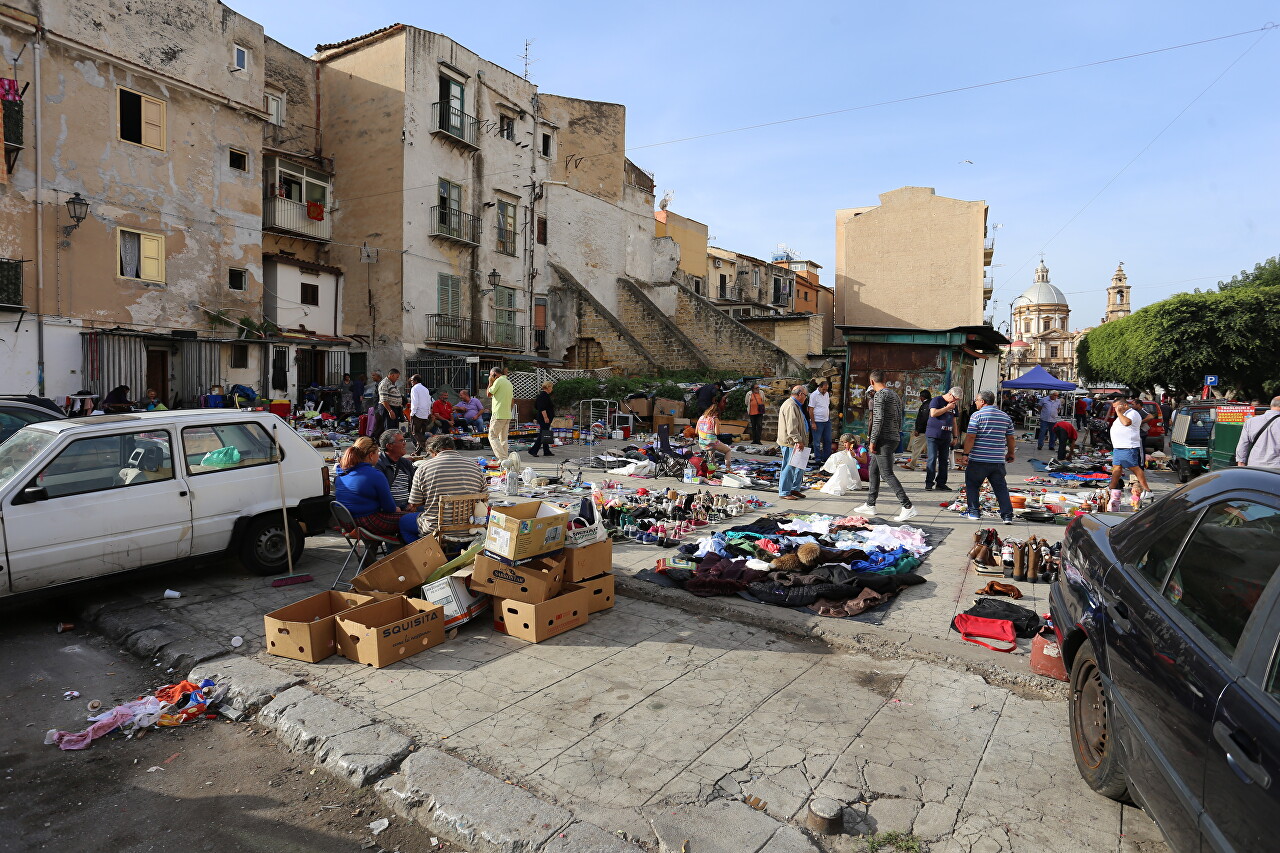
(1226, 433)
(1189, 444)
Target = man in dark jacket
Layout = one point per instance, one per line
(544, 412)
(884, 433)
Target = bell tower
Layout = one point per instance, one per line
(1118, 296)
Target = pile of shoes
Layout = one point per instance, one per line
(1033, 561)
(986, 545)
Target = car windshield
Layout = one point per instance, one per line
(20, 449)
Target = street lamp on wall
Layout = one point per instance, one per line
(495, 279)
(78, 209)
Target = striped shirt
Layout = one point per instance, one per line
(990, 428)
(886, 418)
(448, 473)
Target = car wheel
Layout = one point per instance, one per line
(262, 549)
(1093, 738)
(1184, 471)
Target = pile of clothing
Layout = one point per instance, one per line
(830, 565)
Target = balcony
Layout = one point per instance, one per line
(506, 241)
(449, 329)
(289, 215)
(454, 125)
(540, 340)
(988, 250)
(452, 224)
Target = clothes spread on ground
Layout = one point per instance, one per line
(837, 567)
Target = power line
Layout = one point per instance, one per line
(1264, 30)
(842, 110)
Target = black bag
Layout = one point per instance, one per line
(1025, 622)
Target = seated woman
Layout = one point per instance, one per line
(364, 490)
(709, 432)
(857, 448)
(117, 401)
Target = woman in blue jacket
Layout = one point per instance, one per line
(363, 489)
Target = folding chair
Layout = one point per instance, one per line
(357, 536)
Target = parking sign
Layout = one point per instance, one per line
(1211, 380)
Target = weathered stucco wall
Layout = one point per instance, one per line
(590, 142)
(727, 343)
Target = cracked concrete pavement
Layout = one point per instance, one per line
(658, 721)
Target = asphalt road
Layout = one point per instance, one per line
(221, 786)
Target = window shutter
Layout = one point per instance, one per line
(151, 257)
(153, 123)
(450, 295)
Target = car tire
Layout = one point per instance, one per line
(1184, 470)
(1093, 738)
(262, 546)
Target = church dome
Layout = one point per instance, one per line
(1041, 292)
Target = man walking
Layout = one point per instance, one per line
(884, 434)
(941, 435)
(988, 444)
(1126, 450)
(1259, 443)
(420, 404)
(500, 392)
(390, 401)
(1048, 417)
(820, 421)
(1083, 405)
(919, 444)
(793, 436)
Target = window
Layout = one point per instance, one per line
(1026, 326)
(239, 58)
(504, 304)
(108, 462)
(273, 106)
(724, 286)
(205, 448)
(1224, 568)
(1053, 351)
(1119, 297)
(546, 145)
(141, 119)
(1044, 324)
(506, 227)
(542, 230)
(237, 279)
(239, 356)
(238, 160)
(140, 255)
(449, 288)
(507, 127)
(310, 293)
(300, 184)
(452, 105)
(697, 284)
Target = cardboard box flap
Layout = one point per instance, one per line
(403, 569)
(304, 630)
(382, 632)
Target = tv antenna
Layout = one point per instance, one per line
(525, 58)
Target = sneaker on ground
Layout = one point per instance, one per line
(972, 516)
(1146, 496)
(866, 510)
(928, 488)
(908, 512)
(1007, 520)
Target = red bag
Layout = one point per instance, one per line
(972, 627)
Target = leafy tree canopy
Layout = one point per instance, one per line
(1265, 274)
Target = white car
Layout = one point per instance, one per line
(87, 497)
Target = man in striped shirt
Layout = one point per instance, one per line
(445, 474)
(988, 445)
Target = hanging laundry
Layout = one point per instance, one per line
(315, 210)
(9, 90)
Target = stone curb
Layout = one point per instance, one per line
(870, 640)
(147, 633)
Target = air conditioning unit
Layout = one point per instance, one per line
(718, 263)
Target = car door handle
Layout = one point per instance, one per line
(1119, 613)
(182, 494)
(1247, 769)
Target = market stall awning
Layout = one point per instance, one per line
(1038, 379)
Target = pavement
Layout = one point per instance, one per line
(671, 722)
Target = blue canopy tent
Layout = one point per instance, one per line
(1037, 378)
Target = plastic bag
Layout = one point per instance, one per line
(841, 483)
(223, 457)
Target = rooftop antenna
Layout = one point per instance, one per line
(525, 58)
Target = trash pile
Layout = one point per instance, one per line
(169, 706)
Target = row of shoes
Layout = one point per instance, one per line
(1033, 561)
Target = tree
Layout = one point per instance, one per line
(1265, 274)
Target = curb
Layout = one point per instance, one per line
(442, 794)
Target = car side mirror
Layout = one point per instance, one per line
(31, 494)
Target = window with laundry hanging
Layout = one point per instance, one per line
(139, 255)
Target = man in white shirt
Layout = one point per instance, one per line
(820, 421)
(419, 410)
(1126, 453)
(1259, 444)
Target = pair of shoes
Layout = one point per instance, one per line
(908, 512)
(928, 488)
(866, 510)
(972, 516)
(998, 588)
(791, 497)
(548, 453)
(944, 488)
(1006, 519)
(798, 493)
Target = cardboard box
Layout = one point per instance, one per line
(532, 582)
(641, 406)
(304, 630)
(454, 594)
(538, 622)
(588, 561)
(670, 408)
(383, 632)
(525, 530)
(562, 423)
(601, 590)
(659, 420)
(403, 569)
(557, 553)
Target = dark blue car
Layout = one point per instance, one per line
(1168, 621)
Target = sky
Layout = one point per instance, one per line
(1167, 162)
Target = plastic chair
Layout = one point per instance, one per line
(357, 536)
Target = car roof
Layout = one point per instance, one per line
(31, 404)
(180, 417)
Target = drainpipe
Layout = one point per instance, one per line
(39, 211)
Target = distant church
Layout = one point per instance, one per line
(1041, 319)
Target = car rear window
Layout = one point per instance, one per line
(223, 447)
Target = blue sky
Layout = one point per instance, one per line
(1200, 204)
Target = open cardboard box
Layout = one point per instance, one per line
(403, 569)
(525, 530)
(455, 595)
(669, 408)
(588, 561)
(532, 582)
(383, 632)
(304, 630)
(542, 621)
(601, 591)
